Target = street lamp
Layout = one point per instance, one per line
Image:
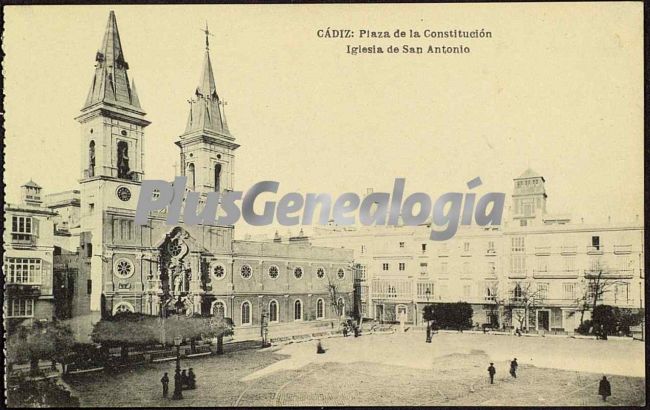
(427, 294)
(264, 328)
(178, 383)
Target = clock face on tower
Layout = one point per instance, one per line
(123, 193)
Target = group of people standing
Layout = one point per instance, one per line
(187, 380)
(351, 325)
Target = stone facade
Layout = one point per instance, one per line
(535, 271)
(185, 269)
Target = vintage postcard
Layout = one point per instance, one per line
(324, 205)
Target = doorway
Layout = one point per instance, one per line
(543, 320)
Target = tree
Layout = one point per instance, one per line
(197, 327)
(126, 330)
(525, 299)
(605, 320)
(43, 341)
(598, 282)
(449, 315)
(334, 296)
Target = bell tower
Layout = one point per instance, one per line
(112, 161)
(207, 146)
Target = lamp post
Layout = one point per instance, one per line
(178, 384)
(264, 330)
(428, 294)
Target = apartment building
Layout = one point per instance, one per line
(28, 254)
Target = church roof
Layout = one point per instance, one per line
(205, 112)
(110, 83)
(529, 173)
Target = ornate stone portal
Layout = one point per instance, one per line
(179, 276)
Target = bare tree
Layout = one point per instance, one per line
(526, 298)
(597, 283)
(334, 296)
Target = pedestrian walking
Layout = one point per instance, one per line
(319, 348)
(165, 384)
(513, 368)
(604, 388)
(184, 379)
(191, 378)
(345, 331)
(492, 371)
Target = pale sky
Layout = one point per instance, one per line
(558, 88)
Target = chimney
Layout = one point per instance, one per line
(277, 237)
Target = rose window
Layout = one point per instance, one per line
(219, 272)
(341, 273)
(273, 272)
(123, 268)
(320, 272)
(297, 272)
(175, 248)
(246, 272)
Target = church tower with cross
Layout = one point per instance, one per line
(112, 165)
(207, 146)
(156, 268)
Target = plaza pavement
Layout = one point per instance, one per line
(397, 369)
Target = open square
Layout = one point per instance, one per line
(394, 369)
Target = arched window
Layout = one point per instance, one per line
(91, 159)
(191, 176)
(217, 177)
(320, 309)
(218, 309)
(123, 307)
(517, 292)
(273, 311)
(297, 310)
(123, 169)
(246, 313)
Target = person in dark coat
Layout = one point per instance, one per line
(184, 379)
(513, 368)
(492, 371)
(604, 388)
(191, 378)
(165, 384)
(345, 330)
(319, 348)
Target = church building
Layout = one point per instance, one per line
(184, 269)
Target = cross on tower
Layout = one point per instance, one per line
(207, 33)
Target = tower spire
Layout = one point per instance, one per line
(205, 113)
(111, 82)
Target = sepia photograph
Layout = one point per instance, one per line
(287, 205)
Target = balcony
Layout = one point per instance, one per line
(568, 250)
(560, 274)
(22, 239)
(517, 274)
(23, 289)
(610, 274)
(595, 250)
(490, 252)
(622, 249)
(542, 250)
